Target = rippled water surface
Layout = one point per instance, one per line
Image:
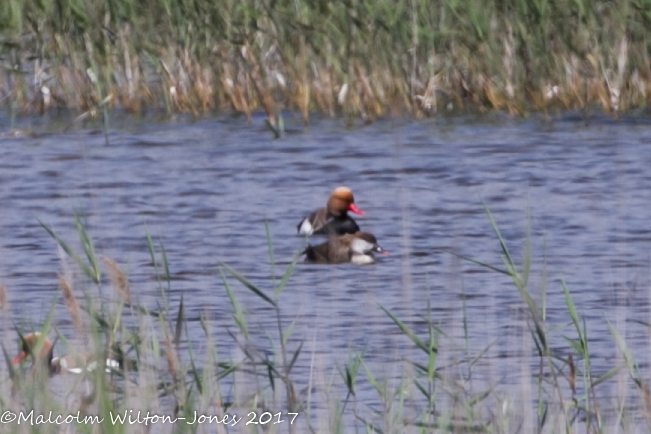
(205, 188)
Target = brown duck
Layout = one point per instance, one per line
(355, 248)
(71, 363)
(334, 218)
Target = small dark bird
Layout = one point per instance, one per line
(355, 248)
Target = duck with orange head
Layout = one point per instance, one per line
(38, 349)
(334, 218)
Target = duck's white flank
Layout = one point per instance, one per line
(360, 259)
(306, 228)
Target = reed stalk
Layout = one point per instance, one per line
(377, 58)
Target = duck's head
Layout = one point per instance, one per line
(34, 346)
(341, 200)
(365, 243)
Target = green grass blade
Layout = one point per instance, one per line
(572, 310)
(87, 244)
(407, 332)
(526, 259)
(288, 332)
(481, 353)
(248, 284)
(274, 131)
(465, 322)
(433, 338)
(621, 344)
(371, 379)
(150, 248)
(179, 323)
(474, 261)
(193, 367)
(505, 250)
(165, 264)
(479, 398)
(272, 262)
(289, 271)
(294, 357)
(238, 316)
(227, 370)
(607, 376)
(422, 390)
(88, 271)
(576, 345)
(270, 374)
(349, 374)
(637, 321)
(10, 365)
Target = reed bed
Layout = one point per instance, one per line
(357, 58)
(165, 372)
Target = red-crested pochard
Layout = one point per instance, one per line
(334, 218)
(72, 363)
(355, 248)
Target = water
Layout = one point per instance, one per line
(204, 189)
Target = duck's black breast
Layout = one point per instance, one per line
(338, 226)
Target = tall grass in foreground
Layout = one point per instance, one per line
(357, 58)
(166, 371)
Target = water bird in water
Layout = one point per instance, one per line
(334, 218)
(355, 248)
(71, 363)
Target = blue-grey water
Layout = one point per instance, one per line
(204, 189)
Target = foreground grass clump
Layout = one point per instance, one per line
(169, 370)
(358, 58)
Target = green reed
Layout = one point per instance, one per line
(357, 58)
(167, 370)
(280, 367)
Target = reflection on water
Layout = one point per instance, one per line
(206, 188)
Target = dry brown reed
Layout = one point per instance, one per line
(375, 58)
(118, 279)
(4, 305)
(171, 358)
(71, 303)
